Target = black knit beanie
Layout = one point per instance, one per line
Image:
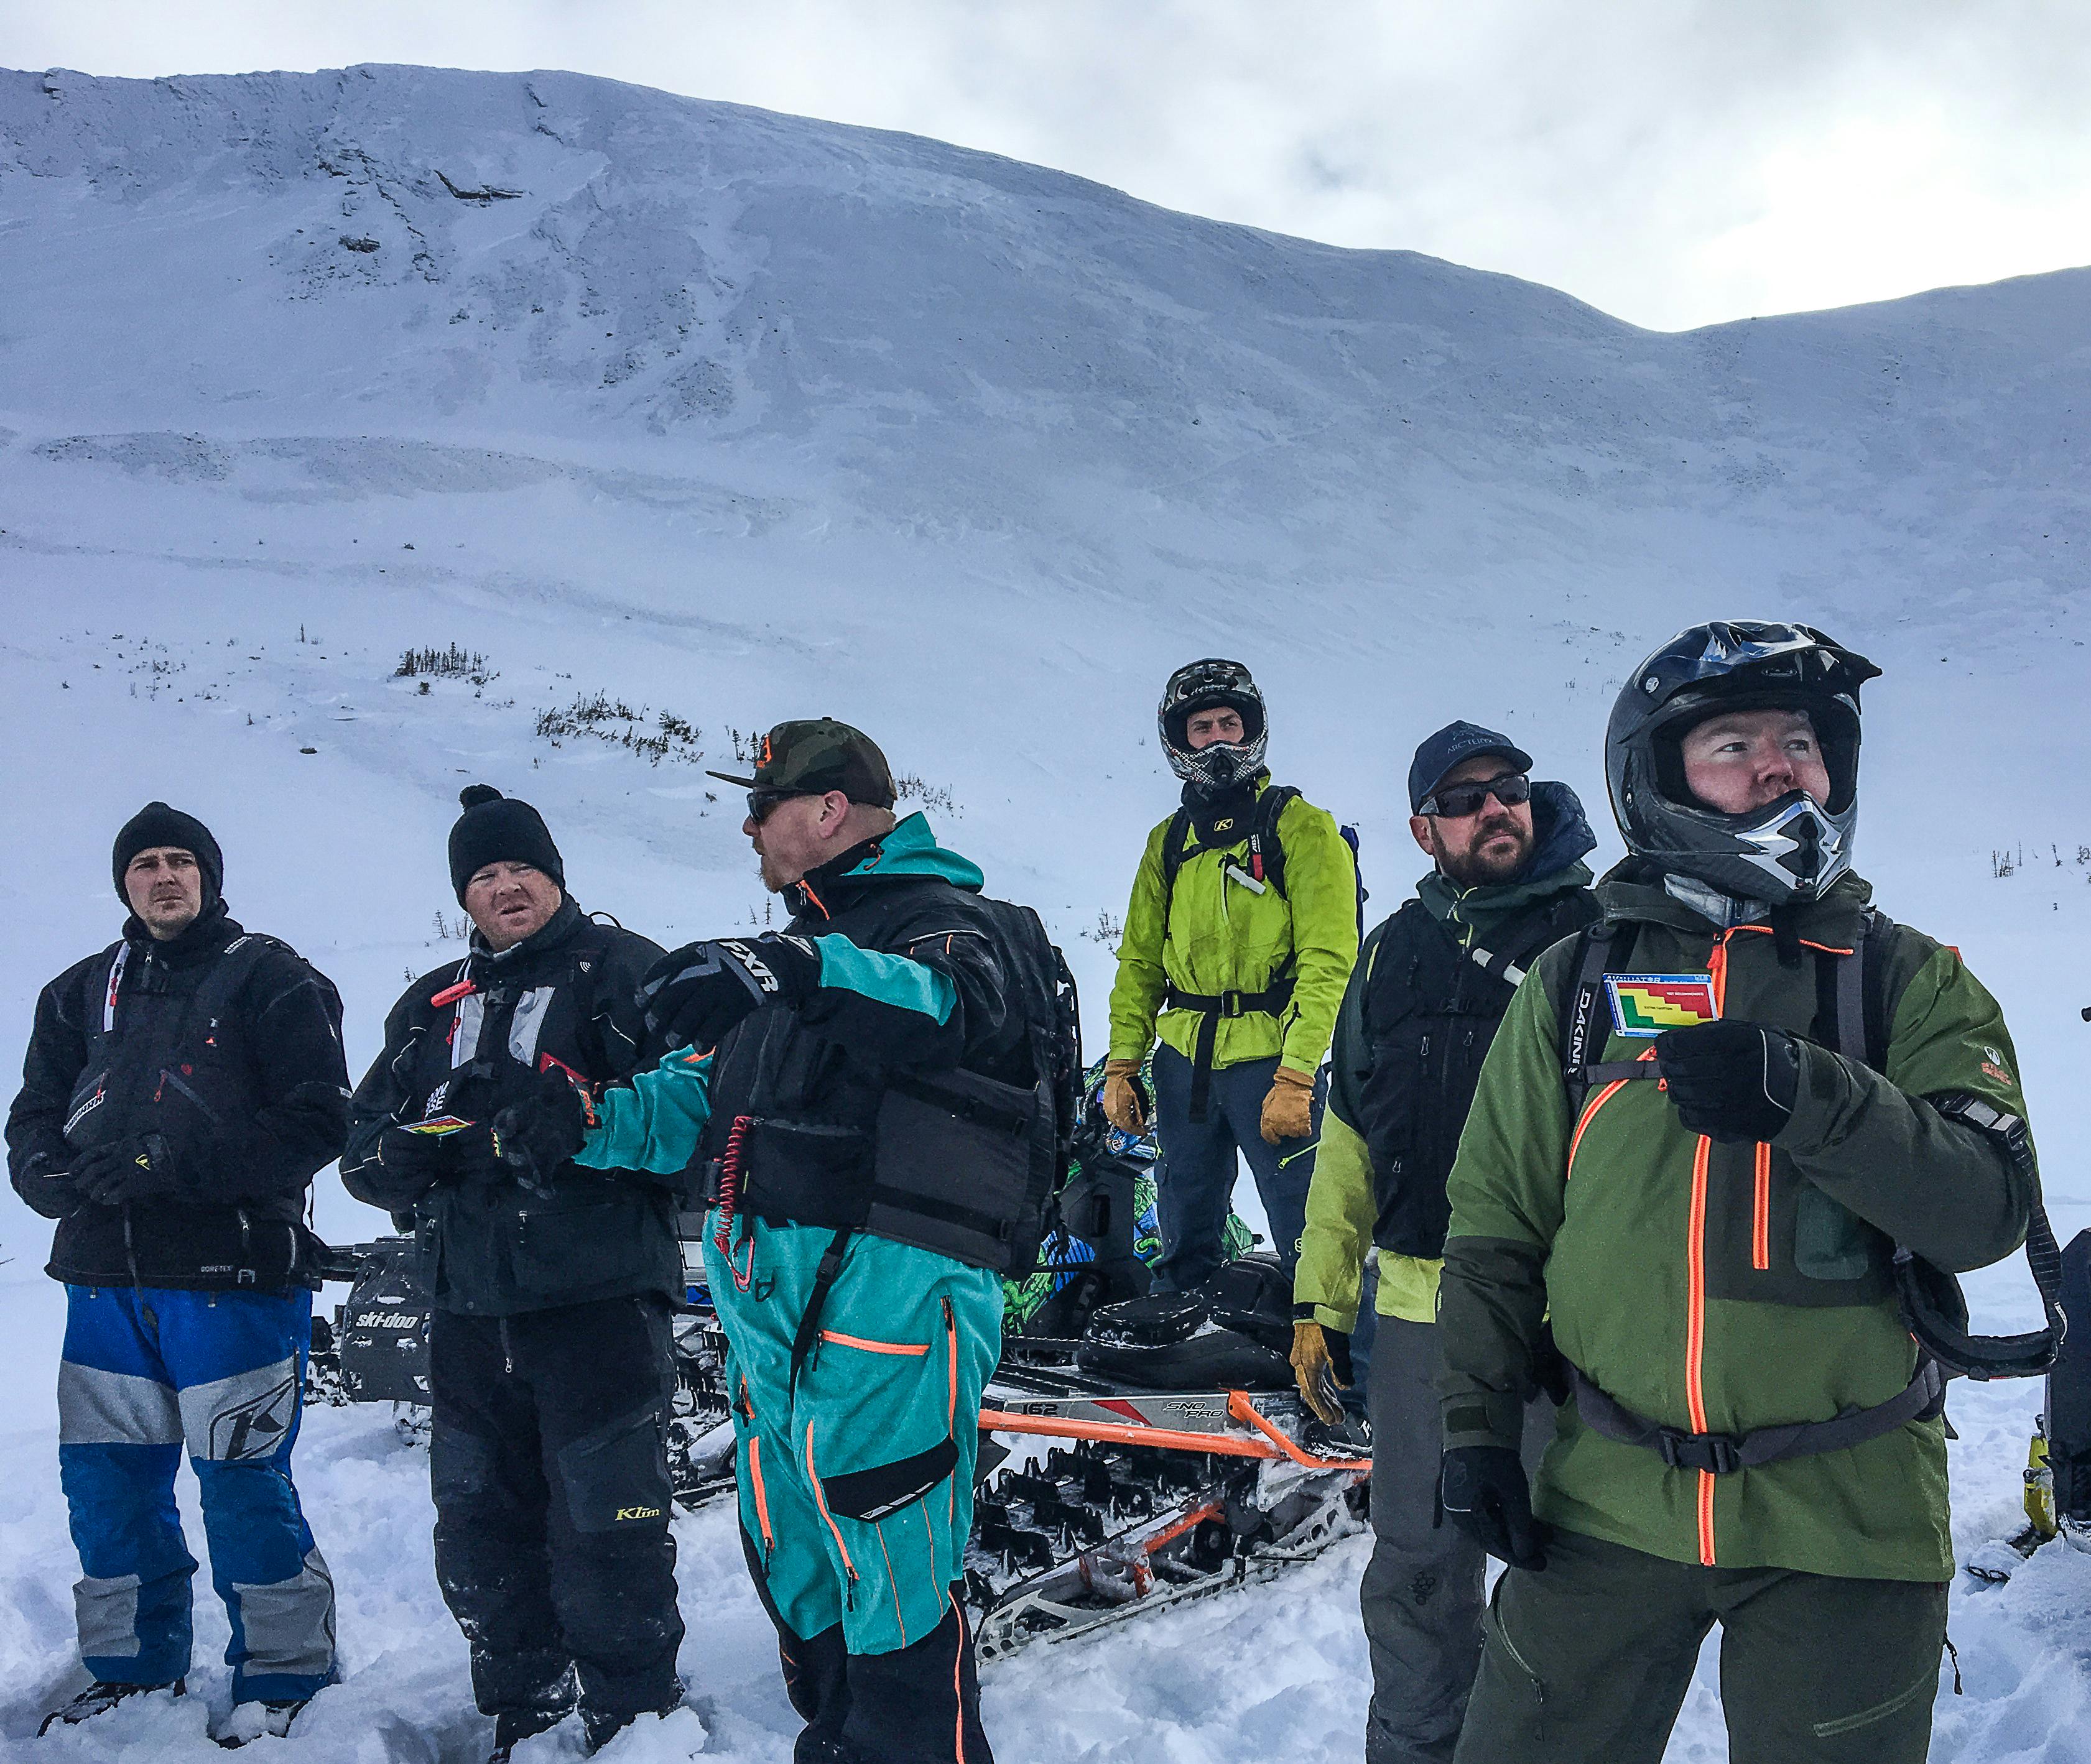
(157, 824)
(499, 829)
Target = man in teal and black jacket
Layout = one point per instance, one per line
(852, 1249)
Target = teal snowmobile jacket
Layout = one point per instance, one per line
(855, 1476)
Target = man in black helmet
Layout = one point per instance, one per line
(550, 1367)
(180, 1089)
(1731, 1269)
(1239, 937)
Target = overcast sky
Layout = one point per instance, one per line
(1676, 162)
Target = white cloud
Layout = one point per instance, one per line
(1674, 161)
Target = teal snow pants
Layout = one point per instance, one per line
(856, 1489)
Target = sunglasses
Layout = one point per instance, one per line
(1460, 800)
(761, 802)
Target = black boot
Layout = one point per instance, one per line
(100, 1697)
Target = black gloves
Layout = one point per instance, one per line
(534, 1138)
(138, 1168)
(1736, 1082)
(464, 1155)
(693, 996)
(1484, 1492)
(48, 1188)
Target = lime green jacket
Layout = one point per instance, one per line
(1223, 936)
(1725, 1289)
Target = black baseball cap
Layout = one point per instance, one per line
(817, 755)
(1455, 742)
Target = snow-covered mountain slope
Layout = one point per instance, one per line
(664, 407)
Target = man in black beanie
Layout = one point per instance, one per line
(551, 1363)
(180, 1089)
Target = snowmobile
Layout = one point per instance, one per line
(1159, 1455)
(374, 1348)
(1138, 1448)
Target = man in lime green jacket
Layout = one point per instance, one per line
(1240, 939)
(1709, 1262)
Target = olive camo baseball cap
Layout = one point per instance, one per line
(817, 755)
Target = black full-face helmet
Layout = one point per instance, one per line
(1205, 686)
(1790, 850)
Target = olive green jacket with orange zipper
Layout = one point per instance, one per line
(1726, 1288)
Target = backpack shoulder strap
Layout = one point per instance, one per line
(99, 983)
(1854, 1013)
(1175, 839)
(1267, 851)
(236, 964)
(1599, 949)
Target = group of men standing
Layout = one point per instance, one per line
(541, 1112)
(1644, 1341)
(1640, 1340)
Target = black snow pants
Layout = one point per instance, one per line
(548, 1465)
(918, 1704)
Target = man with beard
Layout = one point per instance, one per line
(1239, 936)
(180, 1089)
(1431, 984)
(870, 1097)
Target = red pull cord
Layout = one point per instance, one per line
(729, 1201)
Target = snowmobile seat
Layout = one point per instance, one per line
(1215, 1359)
(1158, 1320)
(1252, 1296)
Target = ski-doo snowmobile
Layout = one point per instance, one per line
(1159, 1455)
(1142, 1448)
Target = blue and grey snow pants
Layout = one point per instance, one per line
(1194, 1180)
(856, 1487)
(145, 1371)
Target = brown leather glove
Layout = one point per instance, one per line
(1288, 1110)
(1314, 1370)
(1121, 1096)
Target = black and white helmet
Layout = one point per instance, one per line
(1205, 686)
(1790, 850)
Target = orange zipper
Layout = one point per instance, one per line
(910, 1349)
(1694, 1276)
(1761, 1211)
(761, 1494)
(820, 1499)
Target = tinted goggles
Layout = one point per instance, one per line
(1455, 801)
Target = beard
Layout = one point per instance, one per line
(1487, 860)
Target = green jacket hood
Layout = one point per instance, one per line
(910, 849)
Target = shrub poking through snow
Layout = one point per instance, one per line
(452, 663)
(603, 718)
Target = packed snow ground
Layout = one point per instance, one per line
(669, 407)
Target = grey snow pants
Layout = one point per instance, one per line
(1421, 1594)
